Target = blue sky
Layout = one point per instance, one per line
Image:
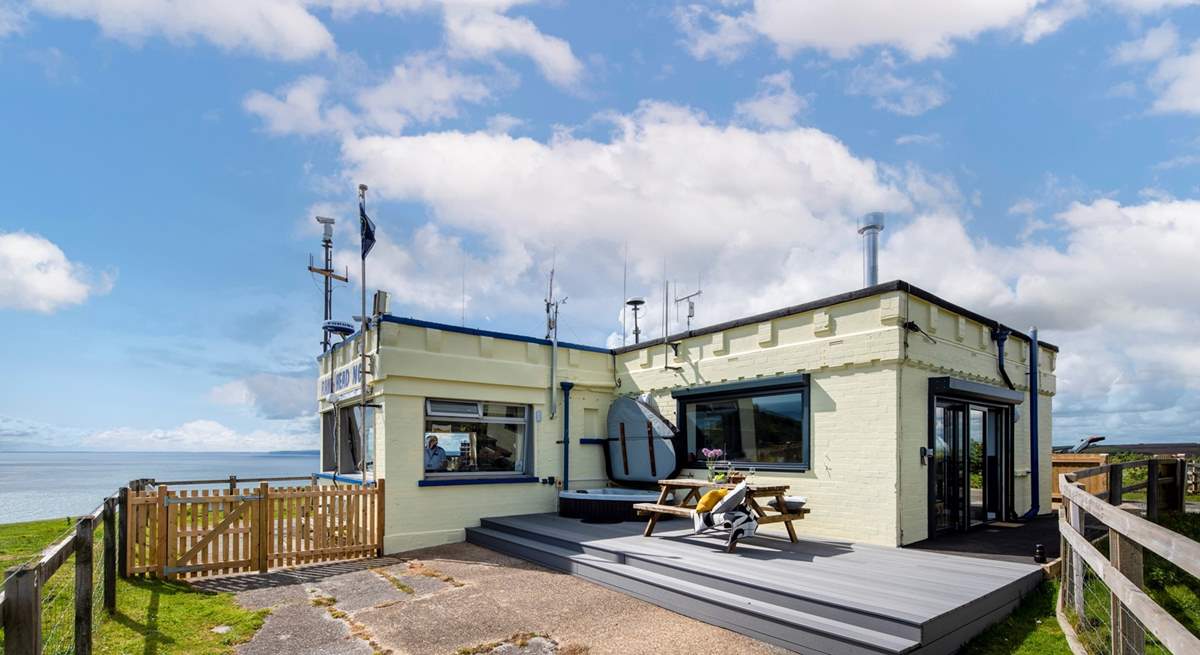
(162, 162)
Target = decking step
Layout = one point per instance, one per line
(791, 628)
(862, 608)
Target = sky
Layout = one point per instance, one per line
(161, 162)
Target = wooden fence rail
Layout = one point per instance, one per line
(21, 601)
(1133, 614)
(202, 532)
(191, 533)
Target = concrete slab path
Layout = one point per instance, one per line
(461, 598)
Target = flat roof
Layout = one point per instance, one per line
(886, 287)
(894, 285)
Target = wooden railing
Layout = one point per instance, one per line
(1133, 617)
(201, 532)
(21, 600)
(152, 529)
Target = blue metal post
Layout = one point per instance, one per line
(566, 439)
(1033, 423)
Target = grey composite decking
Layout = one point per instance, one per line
(816, 596)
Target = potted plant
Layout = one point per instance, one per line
(711, 455)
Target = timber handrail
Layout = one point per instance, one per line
(21, 598)
(1171, 546)
(1121, 570)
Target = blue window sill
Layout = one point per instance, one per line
(450, 482)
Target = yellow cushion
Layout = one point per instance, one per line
(710, 500)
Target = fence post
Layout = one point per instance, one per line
(262, 525)
(380, 515)
(1152, 490)
(1076, 518)
(1178, 502)
(84, 540)
(161, 537)
(233, 485)
(22, 612)
(123, 530)
(1128, 636)
(110, 554)
(1116, 483)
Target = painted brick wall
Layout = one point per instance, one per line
(851, 352)
(964, 349)
(419, 363)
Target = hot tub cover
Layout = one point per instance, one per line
(640, 445)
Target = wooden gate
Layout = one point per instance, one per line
(202, 532)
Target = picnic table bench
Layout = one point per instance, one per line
(687, 505)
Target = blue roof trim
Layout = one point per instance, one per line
(415, 322)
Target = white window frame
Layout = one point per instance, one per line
(478, 417)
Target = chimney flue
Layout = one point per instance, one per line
(872, 225)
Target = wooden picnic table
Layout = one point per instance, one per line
(687, 505)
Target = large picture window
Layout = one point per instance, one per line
(472, 438)
(753, 425)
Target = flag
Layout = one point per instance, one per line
(367, 230)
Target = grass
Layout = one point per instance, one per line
(153, 617)
(1031, 630)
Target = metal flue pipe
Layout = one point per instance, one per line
(872, 225)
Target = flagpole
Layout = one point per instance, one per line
(362, 345)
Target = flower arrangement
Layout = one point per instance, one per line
(711, 455)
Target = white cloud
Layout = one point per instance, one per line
(13, 16)
(841, 28)
(270, 396)
(725, 195)
(930, 139)
(710, 34)
(1176, 80)
(1182, 161)
(475, 32)
(1049, 17)
(36, 275)
(775, 104)
(503, 123)
(419, 89)
(204, 436)
(279, 29)
(1152, 46)
(299, 108)
(920, 29)
(900, 95)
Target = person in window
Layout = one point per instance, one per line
(435, 455)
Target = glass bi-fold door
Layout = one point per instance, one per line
(969, 480)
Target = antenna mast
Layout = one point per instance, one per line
(552, 306)
(327, 273)
(691, 304)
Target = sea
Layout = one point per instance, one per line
(45, 485)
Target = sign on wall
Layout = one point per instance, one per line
(345, 381)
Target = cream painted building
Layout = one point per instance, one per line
(887, 407)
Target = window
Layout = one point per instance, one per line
(475, 439)
(763, 425)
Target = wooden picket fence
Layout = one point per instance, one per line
(192, 533)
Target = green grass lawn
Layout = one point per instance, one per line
(152, 617)
(1031, 630)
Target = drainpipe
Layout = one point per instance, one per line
(1033, 423)
(566, 440)
(1000, 335)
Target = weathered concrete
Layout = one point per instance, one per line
(467, 597)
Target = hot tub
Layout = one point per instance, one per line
(603, 505)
